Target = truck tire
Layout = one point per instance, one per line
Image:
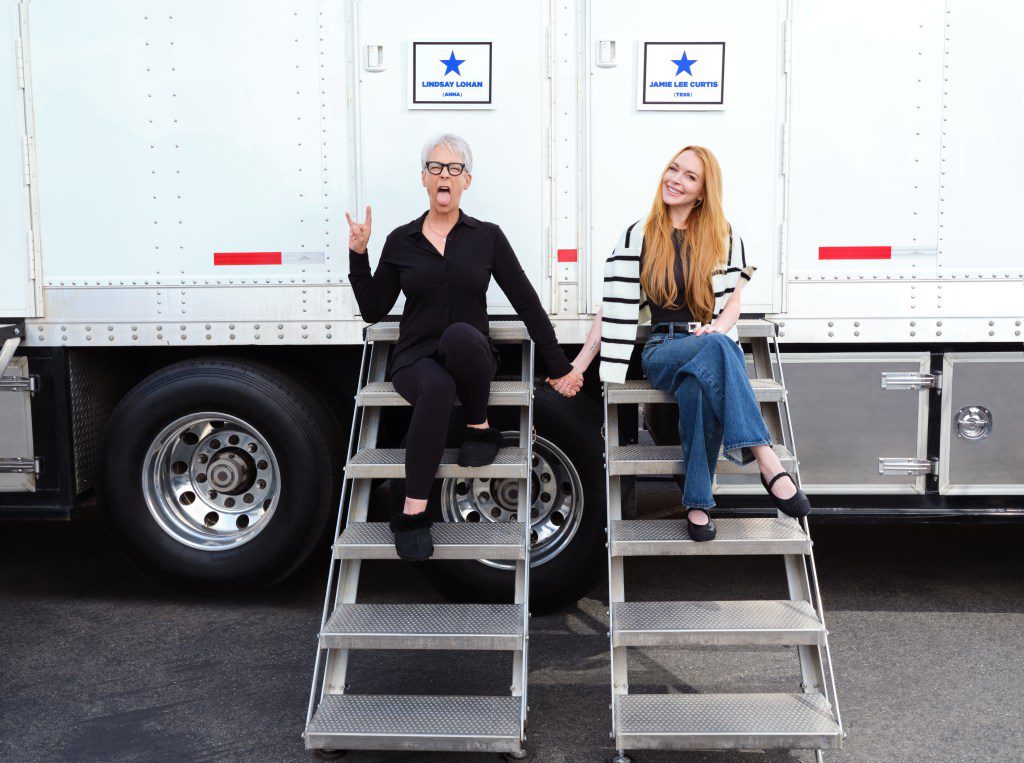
(219, 472)
(568, 553)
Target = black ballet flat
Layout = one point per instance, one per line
(700, 533)
(796, 505)
(480, 447)
(412, 536)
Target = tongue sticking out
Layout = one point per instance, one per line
(444, 196)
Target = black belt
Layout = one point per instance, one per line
(676, 328)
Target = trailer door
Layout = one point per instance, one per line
(630, 142)
(508, 137)
(16, 254)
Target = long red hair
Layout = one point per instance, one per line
(707, 235)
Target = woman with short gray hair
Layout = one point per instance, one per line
(443, 262)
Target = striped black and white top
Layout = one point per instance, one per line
(625, 307)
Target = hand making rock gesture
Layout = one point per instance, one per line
(359, 233)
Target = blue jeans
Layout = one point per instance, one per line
(708, 378)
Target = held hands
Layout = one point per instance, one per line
(569, 384)
(358, 233)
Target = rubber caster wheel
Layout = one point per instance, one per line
(619, 757)
(329, 754)
(510, 757)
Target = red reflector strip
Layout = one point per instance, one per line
(567, 255)
(246, 258)
(854, 252)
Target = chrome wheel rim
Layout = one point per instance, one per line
(556, 504)
(211, 481)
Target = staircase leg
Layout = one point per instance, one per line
(616, 581)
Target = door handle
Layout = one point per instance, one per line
(374, 61)
(606, 54)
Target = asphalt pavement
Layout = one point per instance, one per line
(99, 662)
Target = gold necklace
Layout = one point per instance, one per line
(444, 236)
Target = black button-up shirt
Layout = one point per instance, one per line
(451, 288)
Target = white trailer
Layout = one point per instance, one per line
(174, 178)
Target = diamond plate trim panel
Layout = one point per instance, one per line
(424, 626)
(97, 380)
(668, 537)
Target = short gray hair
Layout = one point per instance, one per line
(450, 140)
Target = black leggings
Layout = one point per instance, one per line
(463, 364)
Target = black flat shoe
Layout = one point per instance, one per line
(480, 447)
(796, 505)
(697, 532)
(412, 536)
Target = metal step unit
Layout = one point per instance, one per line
(808, 719)
(340, 720)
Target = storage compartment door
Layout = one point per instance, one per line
(844, 421)
(16, 431)
(979, 387)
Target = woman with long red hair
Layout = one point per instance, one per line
(682, 269)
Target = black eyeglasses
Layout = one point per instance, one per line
(454, 168)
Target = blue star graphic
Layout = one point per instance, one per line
(452, 64)
(684, 64)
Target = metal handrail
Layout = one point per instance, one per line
(524, 668)
(346, 491)
(830, 679)
(608, 545)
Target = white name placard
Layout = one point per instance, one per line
(451, 75)
(688, 76)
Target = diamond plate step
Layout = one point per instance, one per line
(462, 540)
(667, 459)
(668, 537)
(677, 623)
(501, 332)
(725, 721)
(390, 462)
(389, 722)
(641, 391)
(502, 393)
(424, 626)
